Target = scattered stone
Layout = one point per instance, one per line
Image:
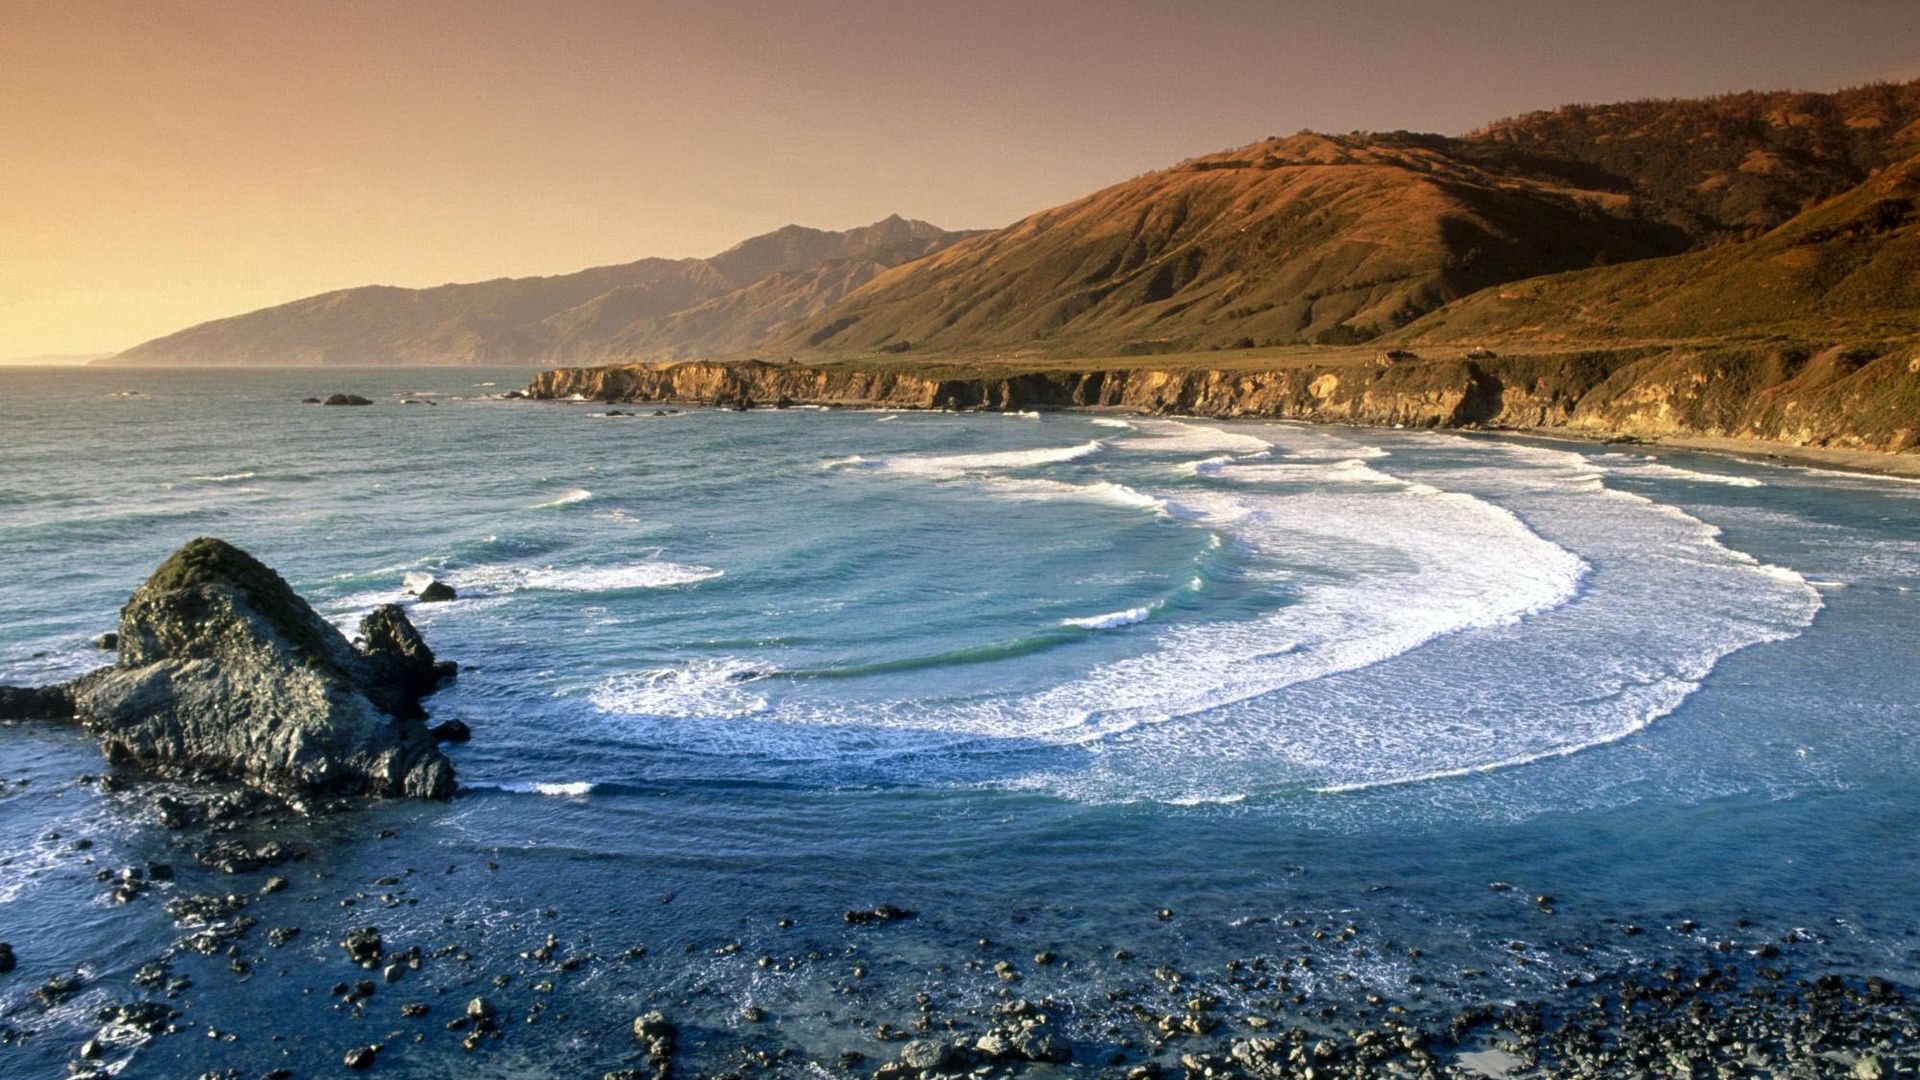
(927, 1055)
(882, 914)
(361, 1057)
(651, 1025)
(437, 592)
(364, 946)
(347, 399)
(58, 989)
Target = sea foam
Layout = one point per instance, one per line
(565, 498)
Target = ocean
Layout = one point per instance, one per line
(1129, 691)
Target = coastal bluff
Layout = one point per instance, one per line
(1854, 399)
(224, 673)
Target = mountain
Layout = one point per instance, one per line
(1323, 239)
(1723, 167)
(1302, 239)
(739, 319)
(55, 359)
(1849, 267)
(603, 312)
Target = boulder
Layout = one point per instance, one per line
(437, 592)
(224, 671)
(401, 666)
(654, 1025)
(928, 1055)
(346, 399)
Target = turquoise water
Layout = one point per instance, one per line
(1035, 677)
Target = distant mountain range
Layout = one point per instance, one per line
(55, 359)
(1654, 219)
(654, 307)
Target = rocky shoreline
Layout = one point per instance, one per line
(910, 996)
(1748, 398)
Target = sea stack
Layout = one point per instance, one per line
(224, 672)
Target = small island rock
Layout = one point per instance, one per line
(224, 671)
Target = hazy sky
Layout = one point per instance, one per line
(165, 162)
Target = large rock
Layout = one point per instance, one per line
(223, 670)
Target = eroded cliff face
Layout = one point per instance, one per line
(1865, 398)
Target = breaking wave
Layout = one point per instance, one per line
(566, 498)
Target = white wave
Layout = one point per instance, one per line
(886, 419)
(1349, 471)
(708, 690)
(1863, 477)
(222, 478)
(1100, 491)
(566, 498)
(1385, 568)
(1539, 613)
(1336, 450)
(1110, 422)
(1122, 495)
(1113, 619)
(1674, 472)
(564, 789)
(1028, 415)
(415, 580)
(513, 577)
(952, 465)
(1176, 437)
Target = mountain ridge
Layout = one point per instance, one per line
(1307, 239)
(526, 319)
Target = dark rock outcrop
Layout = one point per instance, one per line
(437, 592)
(35, 703)
(346, 399)
(224, 672)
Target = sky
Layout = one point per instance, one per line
(164, 162)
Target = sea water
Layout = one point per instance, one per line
(1041, 678)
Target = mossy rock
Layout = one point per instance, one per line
(210, 561)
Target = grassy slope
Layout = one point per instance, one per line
(1849, 268)
(1722, 167)
(1309, 238)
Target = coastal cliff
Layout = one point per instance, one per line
(1853, 398)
